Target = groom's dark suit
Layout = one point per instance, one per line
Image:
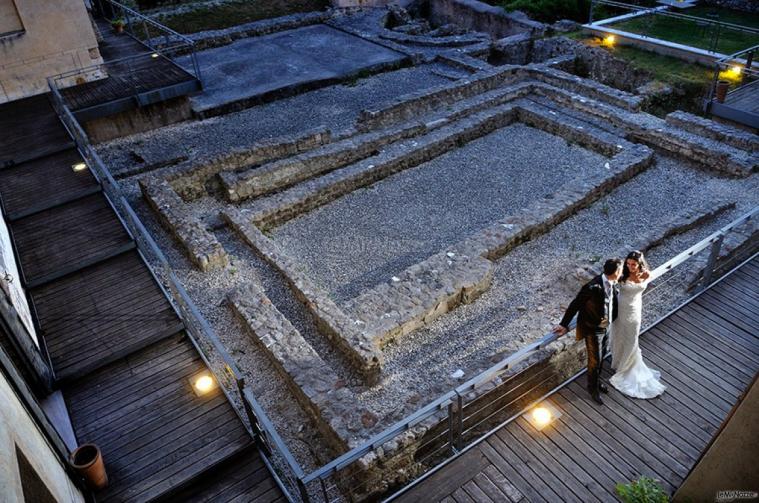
(591, 306)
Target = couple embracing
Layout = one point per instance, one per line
(609, 307)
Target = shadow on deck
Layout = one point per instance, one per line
(707, 352)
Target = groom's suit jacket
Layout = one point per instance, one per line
(589, 305)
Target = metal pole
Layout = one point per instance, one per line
(303, 491)
(451, 448)
(590, 14)
(707, 276)
(460, 429)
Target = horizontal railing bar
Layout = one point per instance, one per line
(656, 12)
(701, 245)
(150, 21)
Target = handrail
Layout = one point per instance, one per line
(145, 19)
(494, 371)
(659, 11)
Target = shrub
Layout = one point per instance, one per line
(643, 490)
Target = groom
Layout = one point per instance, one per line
(597, 307)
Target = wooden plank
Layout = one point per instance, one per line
(460, 496)
(731, 348)
(736, 295)
(491, 449)
(716, 322)
(727, 316)
(577, 478)
(542, 464)
(31, 130)
(712, 335)
(655, 451)
(443, 483)
(496, 477)
(606, 433)
(724, 358)
(729, 306)
(520, 466)
(489, 488)
(672, 418)
(673, 374)
(714, 374)
(475, 493)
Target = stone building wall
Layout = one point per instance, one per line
(47, 38)
(19, 432)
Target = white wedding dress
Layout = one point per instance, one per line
(633, 377)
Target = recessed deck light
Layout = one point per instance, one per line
(154, 55)
(203, 383)
(542, 415)
(80, 166)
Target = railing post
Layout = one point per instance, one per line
(303, 491)
(590, 14)
(451, 447)
(460, 418)
(713, 255)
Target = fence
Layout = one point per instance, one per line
(736, 73)
(707, 33)
(436, 432)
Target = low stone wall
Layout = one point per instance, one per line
(203, 248)
(189, 178)
(330, 320)
(283, 173)
(138, 120)
(333, 407)
(420, 294)
(411, 105)
(738, 138)
(479, 16)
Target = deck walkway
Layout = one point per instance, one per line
(118, 349)
(135, 78)
(708, 353)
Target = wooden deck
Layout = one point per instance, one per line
(132, 70)
(708, 353)
(118, 349)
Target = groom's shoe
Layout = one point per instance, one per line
(603, 388)
(597, 398)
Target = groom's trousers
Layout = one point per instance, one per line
(596, 344)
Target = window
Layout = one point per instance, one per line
(35, 491)
(10, 22)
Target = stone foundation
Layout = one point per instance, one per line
(479, 16)
(203, 248)
(344, 333)
(138, 120)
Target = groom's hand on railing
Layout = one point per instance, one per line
(559, 330)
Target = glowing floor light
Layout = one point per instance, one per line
(203, 383)
(80, 166)
(609, 40)
(542, 415)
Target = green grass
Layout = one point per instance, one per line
(664, 68)
(689, 32)
(548, 11)
(234, 13)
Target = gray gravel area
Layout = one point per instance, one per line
(335, 107)
(369, 235)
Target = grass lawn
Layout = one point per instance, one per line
(665, 69)
(688, 32)
(234, 13)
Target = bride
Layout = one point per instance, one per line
(633, 377)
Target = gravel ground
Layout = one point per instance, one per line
(369, 235)
(335, 107)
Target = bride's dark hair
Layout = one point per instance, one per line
(639, 258)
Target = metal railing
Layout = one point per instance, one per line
(711, 27)
(195, 324)
(740, 68)
(461, 415)
(152, 34)
(161, 43)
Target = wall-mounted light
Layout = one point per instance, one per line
(80, 166)
(203, 383)
(542, 415)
